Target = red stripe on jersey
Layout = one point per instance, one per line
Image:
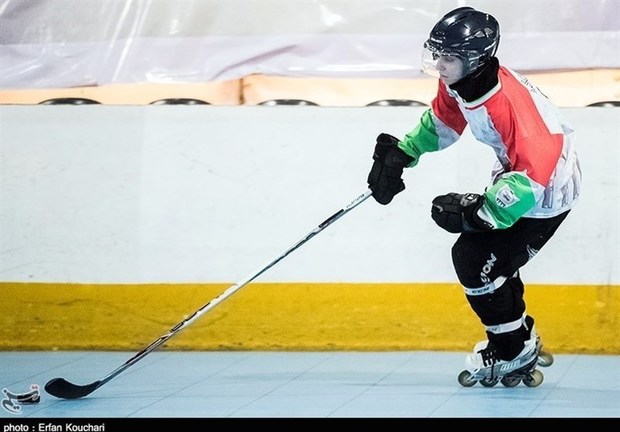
(530, 145)
(447, 110)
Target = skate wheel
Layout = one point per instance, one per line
(508, 381)
(489, 382)
(465, 379)
(545, 359)
(534, 379)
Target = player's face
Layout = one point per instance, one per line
(450, 69)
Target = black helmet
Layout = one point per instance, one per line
(466, 33)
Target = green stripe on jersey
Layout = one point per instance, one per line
(422, 139)
(509, 199)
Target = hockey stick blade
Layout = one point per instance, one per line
(61, 388)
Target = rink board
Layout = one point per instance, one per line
(292, 316)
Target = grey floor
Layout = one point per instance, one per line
(302, 385)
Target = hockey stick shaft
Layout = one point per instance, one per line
(61, 388)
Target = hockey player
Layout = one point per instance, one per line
(534, 184)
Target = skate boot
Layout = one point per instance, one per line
(485, 367)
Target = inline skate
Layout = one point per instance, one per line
(484, 367)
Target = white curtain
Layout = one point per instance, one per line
(66, 43)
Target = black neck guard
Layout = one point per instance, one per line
(478, 83)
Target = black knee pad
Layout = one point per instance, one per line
(503, 305)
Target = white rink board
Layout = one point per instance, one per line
(138, 194)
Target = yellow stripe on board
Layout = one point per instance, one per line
(292, 316)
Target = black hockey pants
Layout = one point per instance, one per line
(487, 265)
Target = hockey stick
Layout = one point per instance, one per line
(61, 388)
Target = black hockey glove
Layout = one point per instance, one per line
(385, 178)
(458, 213)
